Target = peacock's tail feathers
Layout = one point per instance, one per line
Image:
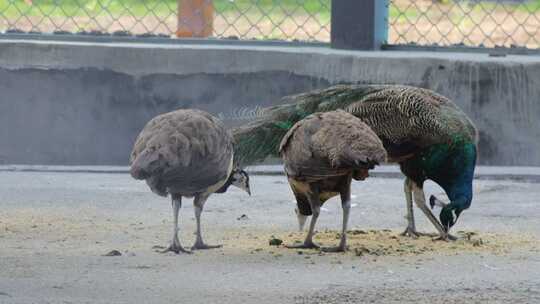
(405, 118)
(256, 141)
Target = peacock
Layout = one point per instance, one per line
(322, 154)
(424, 132)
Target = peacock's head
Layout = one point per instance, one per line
(449, 213)
(449, 216)
(240, 178)
(459, 188)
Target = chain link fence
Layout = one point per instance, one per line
(305, 20)
(479, 23)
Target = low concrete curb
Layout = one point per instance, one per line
(526, 174)
(69, 103)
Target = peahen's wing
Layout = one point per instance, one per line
(185, 151)
(347, 141)
(329, 144)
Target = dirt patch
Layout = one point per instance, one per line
(54, 231)
(379, 243)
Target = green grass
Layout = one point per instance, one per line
(412, 13)
(140, 8)
(403, 15)
(529, 6)
(533, 6)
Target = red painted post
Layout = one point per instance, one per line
(195, 18)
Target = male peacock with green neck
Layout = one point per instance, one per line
(422, 131)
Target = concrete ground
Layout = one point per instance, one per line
(55, 228)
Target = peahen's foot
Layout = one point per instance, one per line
(305, 245)
(176, 248)
(334, 249)
(202, 246)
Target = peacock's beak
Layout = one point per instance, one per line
(446, 228)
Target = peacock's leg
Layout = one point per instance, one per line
(198, 203)
(315, 203)
(175, 246)
(411, 227)
(346, 205)
(420, 200)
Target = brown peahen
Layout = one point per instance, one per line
(322, 154)
(426, 133)
(186, 153)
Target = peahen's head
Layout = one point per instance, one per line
(239, 178)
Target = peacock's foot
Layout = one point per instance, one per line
(305, 245)
(203, 246)
(410, 232)
(445, 237)
(335, 249)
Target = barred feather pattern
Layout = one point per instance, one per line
(399, 114)
(243, 113)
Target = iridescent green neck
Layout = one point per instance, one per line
(452, 167)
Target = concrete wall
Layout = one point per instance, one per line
(82, 103)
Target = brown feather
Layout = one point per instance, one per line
(185, 152)
(330, 144)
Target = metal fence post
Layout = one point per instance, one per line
(359, 24)
(195, 18)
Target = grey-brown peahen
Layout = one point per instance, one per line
(426, 133)
(322, 154)
(186, 153)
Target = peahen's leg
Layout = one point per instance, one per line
(315, 204)
(301, 219)
(198, 203)
(420, 200)
(411, 227)
(175, 243)
(346, 205)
